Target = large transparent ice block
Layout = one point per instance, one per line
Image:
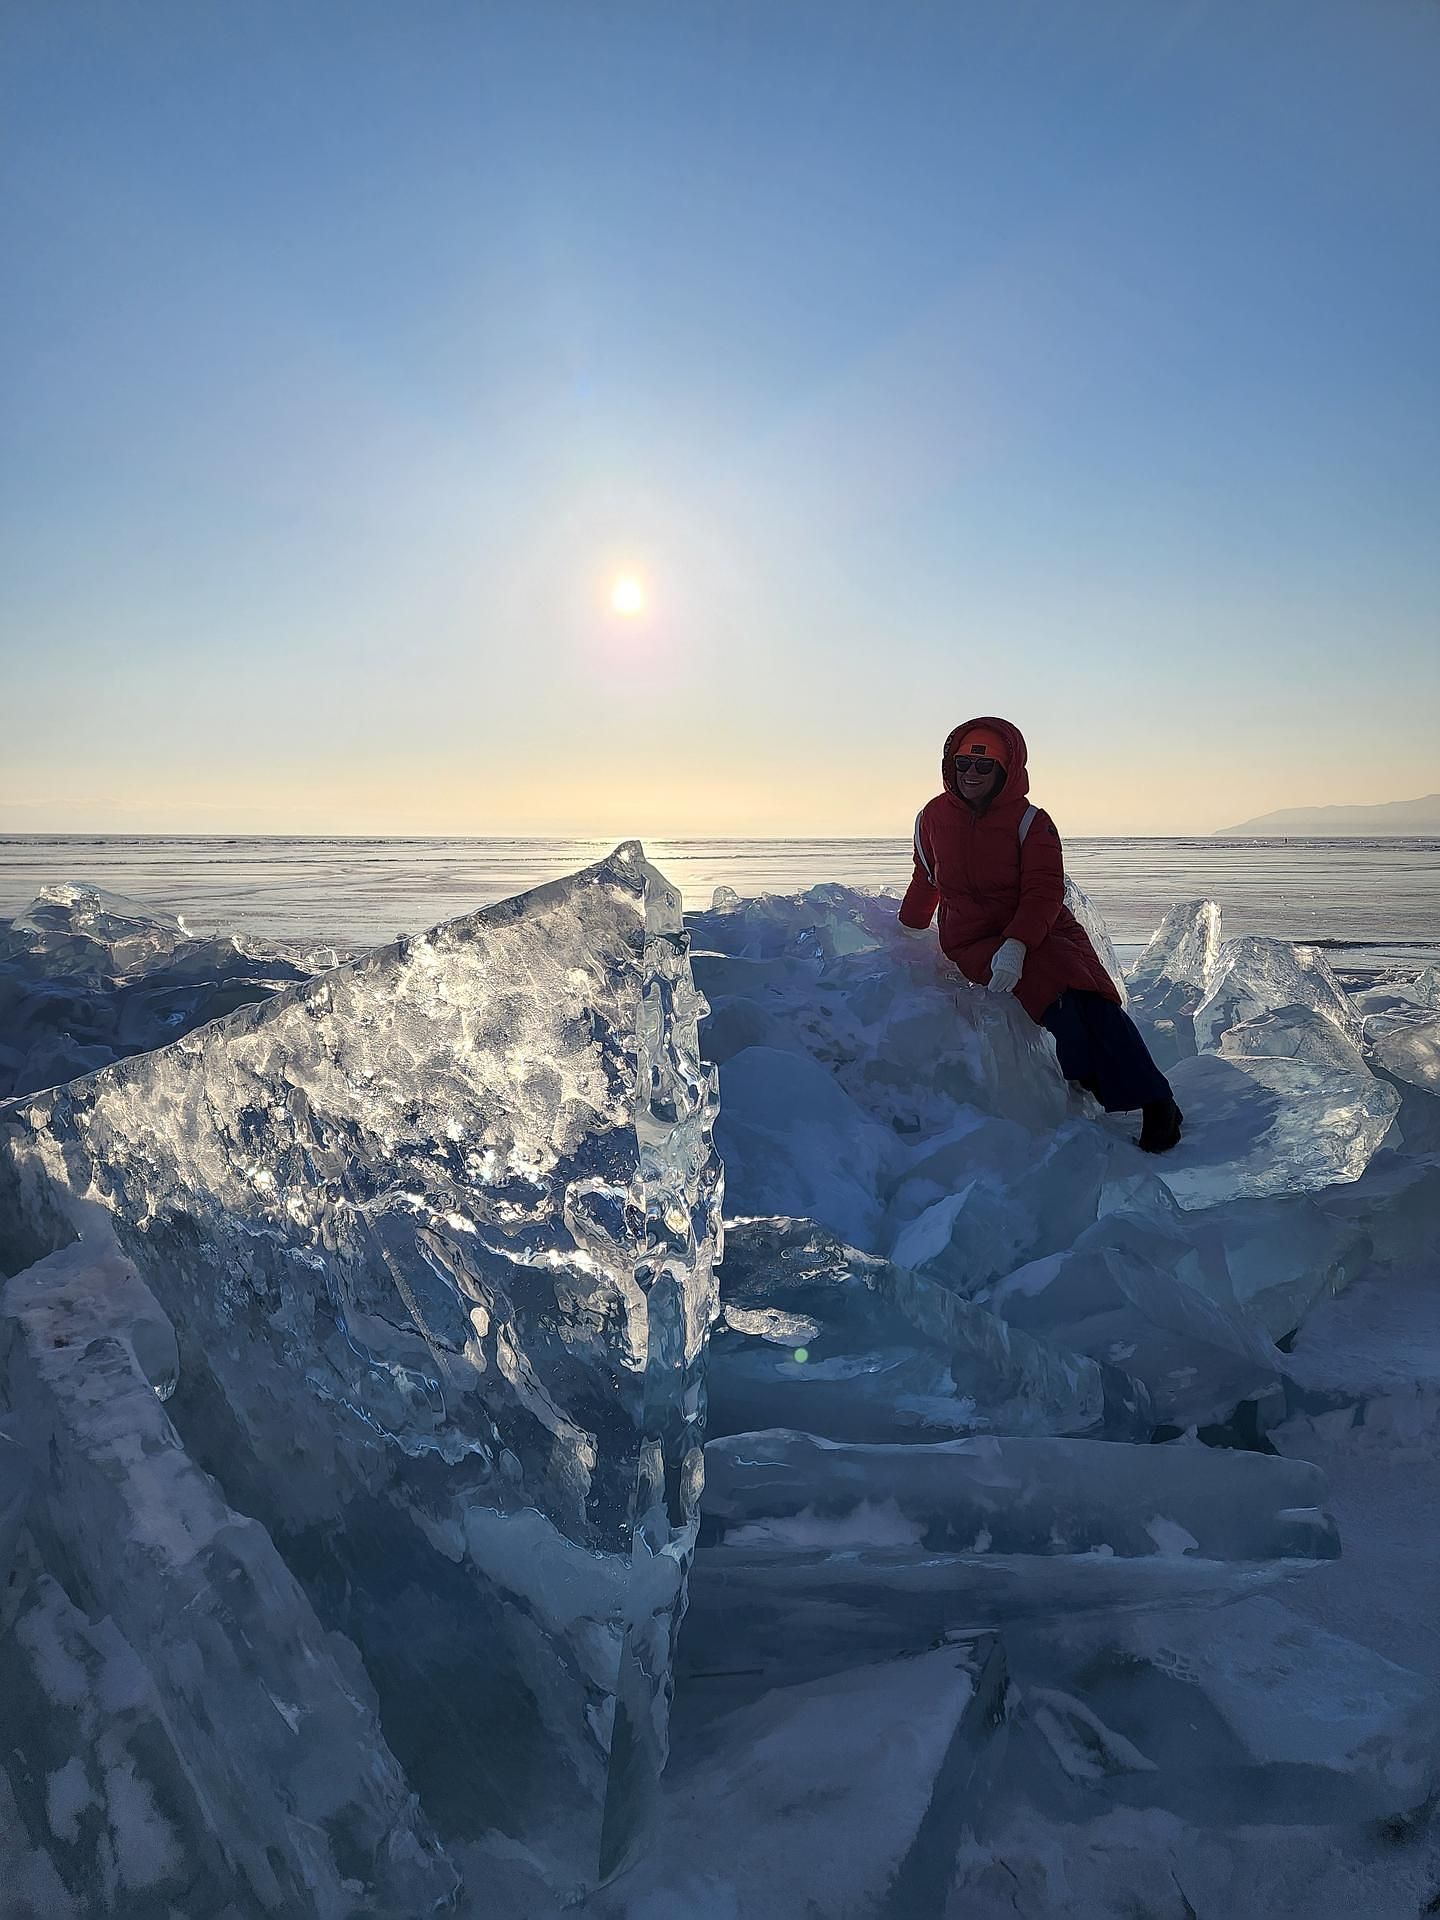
(1228, 1717)
(1255, 975)
(816, 1555)
(980, 1199)
(1285, 1104)
(1172, 976)
(1008, 1495)
(75, 931)
(1302, 1701)
(436, 1234)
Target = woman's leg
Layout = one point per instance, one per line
(1101, 1048)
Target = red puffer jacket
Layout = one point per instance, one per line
(991, 888)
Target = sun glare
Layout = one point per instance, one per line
(627, 596)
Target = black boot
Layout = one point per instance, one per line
(1160, 1128)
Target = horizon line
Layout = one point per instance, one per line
(688, 840)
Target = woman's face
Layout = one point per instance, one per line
(976, 775)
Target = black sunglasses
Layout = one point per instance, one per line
(975, 763)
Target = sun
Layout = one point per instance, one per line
(627, 595)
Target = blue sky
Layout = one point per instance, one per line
(1076, 363)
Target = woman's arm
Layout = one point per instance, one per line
(922, 896)
(1042, 883)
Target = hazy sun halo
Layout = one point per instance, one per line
(627, 596)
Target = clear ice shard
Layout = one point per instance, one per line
(818, 924)
(1255, 975)
(1394, 1205)
(1000, 1196)
(819, 1336)
(1392, 993)
(87, 977)
(815, 1554)
(1162, 1310)
(993, 1497)
(1407, 1048)
(1267, 1260)
(435, 1232)
(1092, 920)
(866, 1090)
(1285, 1104)
(1172, 976)
(82, 929)
(73, 930)
(963, 1204)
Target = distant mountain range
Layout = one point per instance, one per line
(1420, 817)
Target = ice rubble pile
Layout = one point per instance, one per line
(89, 977)
(958, 1309)
(893, 1137)
(356, 1369)
(354, 1350)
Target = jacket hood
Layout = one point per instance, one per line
(1017, 773)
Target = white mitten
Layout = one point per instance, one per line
(1006, 967)
(919, 947)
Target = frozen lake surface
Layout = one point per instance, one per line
(1373, 901)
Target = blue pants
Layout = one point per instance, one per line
(1100, 1047)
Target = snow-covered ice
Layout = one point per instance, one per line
(1010, 1579)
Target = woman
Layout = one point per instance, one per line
(992, 864)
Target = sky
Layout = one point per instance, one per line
(916, 360)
